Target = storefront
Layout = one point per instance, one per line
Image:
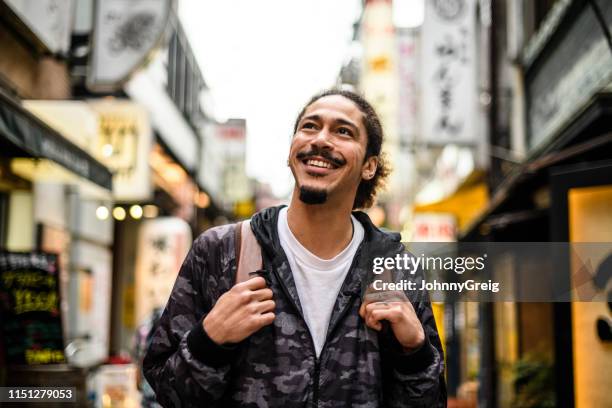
(51, 188)
(560, 193)
(581, 196)
(442, 221)
(560, 340)
(153, 203)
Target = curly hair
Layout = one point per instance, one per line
(367, 189)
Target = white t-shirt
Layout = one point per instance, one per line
(317, 280)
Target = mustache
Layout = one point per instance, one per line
(321, 153)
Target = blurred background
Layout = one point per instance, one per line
(127, 128)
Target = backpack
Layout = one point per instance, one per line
(248, 252)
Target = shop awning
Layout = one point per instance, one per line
(466, 203)
(528, 177)
(24, 135)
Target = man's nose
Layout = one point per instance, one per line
(323, 139)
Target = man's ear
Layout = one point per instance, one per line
(368, 170)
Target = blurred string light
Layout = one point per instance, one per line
(136, 212)
(119, 213)
(408, 13)
(202, 200)
(377, 215)
(102, 212)
(150, 211)
(107, 150)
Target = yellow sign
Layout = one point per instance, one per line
(129, 307)
(380, 63)
(244, 209)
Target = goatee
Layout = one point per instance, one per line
(312, 196)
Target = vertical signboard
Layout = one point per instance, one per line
(222, 171)
(449, 72)
(232, 134)
(408, 65)
(379, 79)
(125, 32)
(379, 76)
(408, 118)
(162, 246)
(30, 306)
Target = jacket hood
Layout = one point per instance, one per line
(264, 225)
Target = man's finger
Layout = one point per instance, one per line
(254, 283)
(372, 322)
(370, 299)
(265, 319)
(370, 318)
(391, 315)
(265, 306)
(262, 294)
(377, 305)
(385, 296)
(366, 307)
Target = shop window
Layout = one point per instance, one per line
(184, 77)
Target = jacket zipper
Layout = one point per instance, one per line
(315, 382)
(347, 307)
(317, 368)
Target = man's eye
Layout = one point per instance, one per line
(308, 125)
(345, 131)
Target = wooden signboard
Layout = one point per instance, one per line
(30, 306)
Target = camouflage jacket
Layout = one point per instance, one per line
(277, 366)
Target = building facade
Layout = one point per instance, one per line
(550, 167)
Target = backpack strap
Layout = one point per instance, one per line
(374, 295)
(248, 251)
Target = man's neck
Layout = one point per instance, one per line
(323, 229)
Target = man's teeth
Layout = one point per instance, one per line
(319, 163)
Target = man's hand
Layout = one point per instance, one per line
(398, 311)
(240, 312)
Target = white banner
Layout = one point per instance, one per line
(379, 82)
(449, 72)
(222, 169)
(163, 244)
(124, 34)
(408, 65)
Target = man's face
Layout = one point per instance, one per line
(328, 149)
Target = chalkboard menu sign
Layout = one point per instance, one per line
(29, 303)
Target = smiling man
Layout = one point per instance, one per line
(302, 334)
